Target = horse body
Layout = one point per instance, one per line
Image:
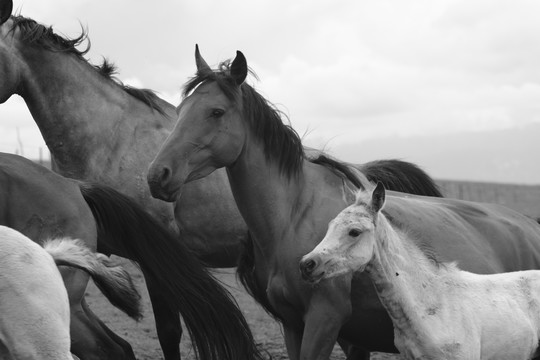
(437, 310)
(42, 205)
(101, 131)
(35, 321)
(287, 202)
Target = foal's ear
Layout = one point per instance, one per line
(202, 66)
(239, 68)
(378, 197)
(6, 7)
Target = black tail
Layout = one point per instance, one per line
(401, 176)
(216, 325)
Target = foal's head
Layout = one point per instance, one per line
(349, 243)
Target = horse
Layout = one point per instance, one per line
(102, 131)
(287, 202)
(438, 311)
(42, 204)
(34, 301)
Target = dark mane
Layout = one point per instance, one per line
(108, 70)
(401, 176)
(44, 37)
(281, 142)
(34, 33)
(283, 145)
(340, 168)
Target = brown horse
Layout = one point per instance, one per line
(287, 202)
(42, 205)
(102, 131)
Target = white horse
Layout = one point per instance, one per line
(438, 311)
(34, 307)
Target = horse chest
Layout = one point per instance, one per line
(284, 297)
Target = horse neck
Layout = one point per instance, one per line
(278, 208)
(90, 124)
(405, 279)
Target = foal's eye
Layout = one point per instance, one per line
(217, 113)
(354, 232)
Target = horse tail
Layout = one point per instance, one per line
(401, 176)
(113, 281)
(216, 325)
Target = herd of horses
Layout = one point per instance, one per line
(231, 178)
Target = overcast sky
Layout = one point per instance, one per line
(366, 79)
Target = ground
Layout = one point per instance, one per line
(142, 335)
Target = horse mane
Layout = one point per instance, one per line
(37, 34)
(342, 169)
(421, 244)
(44, 37)
(282, 143)
(401, 176)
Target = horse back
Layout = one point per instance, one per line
(482, 238)
(41, 204)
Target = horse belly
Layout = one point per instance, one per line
(499, 307)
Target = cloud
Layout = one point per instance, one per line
(343, 71)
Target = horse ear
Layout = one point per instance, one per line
(378, 197)
(6, 7)
(202, 66)
(239, 68)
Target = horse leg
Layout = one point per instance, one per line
(353, 352)
(115, 343)
(329, 309)
(168, 327)
(90, 338)
(293, 342)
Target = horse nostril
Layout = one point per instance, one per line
(165, 176)
(310, 265)
(306, 267)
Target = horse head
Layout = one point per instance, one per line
(349, 243)
(209, 133)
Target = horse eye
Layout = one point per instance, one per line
(217, 113)
(354, 232)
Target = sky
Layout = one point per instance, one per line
(453, 86)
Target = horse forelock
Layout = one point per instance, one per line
(281, 142)
(37, 34)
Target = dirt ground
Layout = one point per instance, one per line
(143, 338)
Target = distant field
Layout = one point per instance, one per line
(522, 198)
